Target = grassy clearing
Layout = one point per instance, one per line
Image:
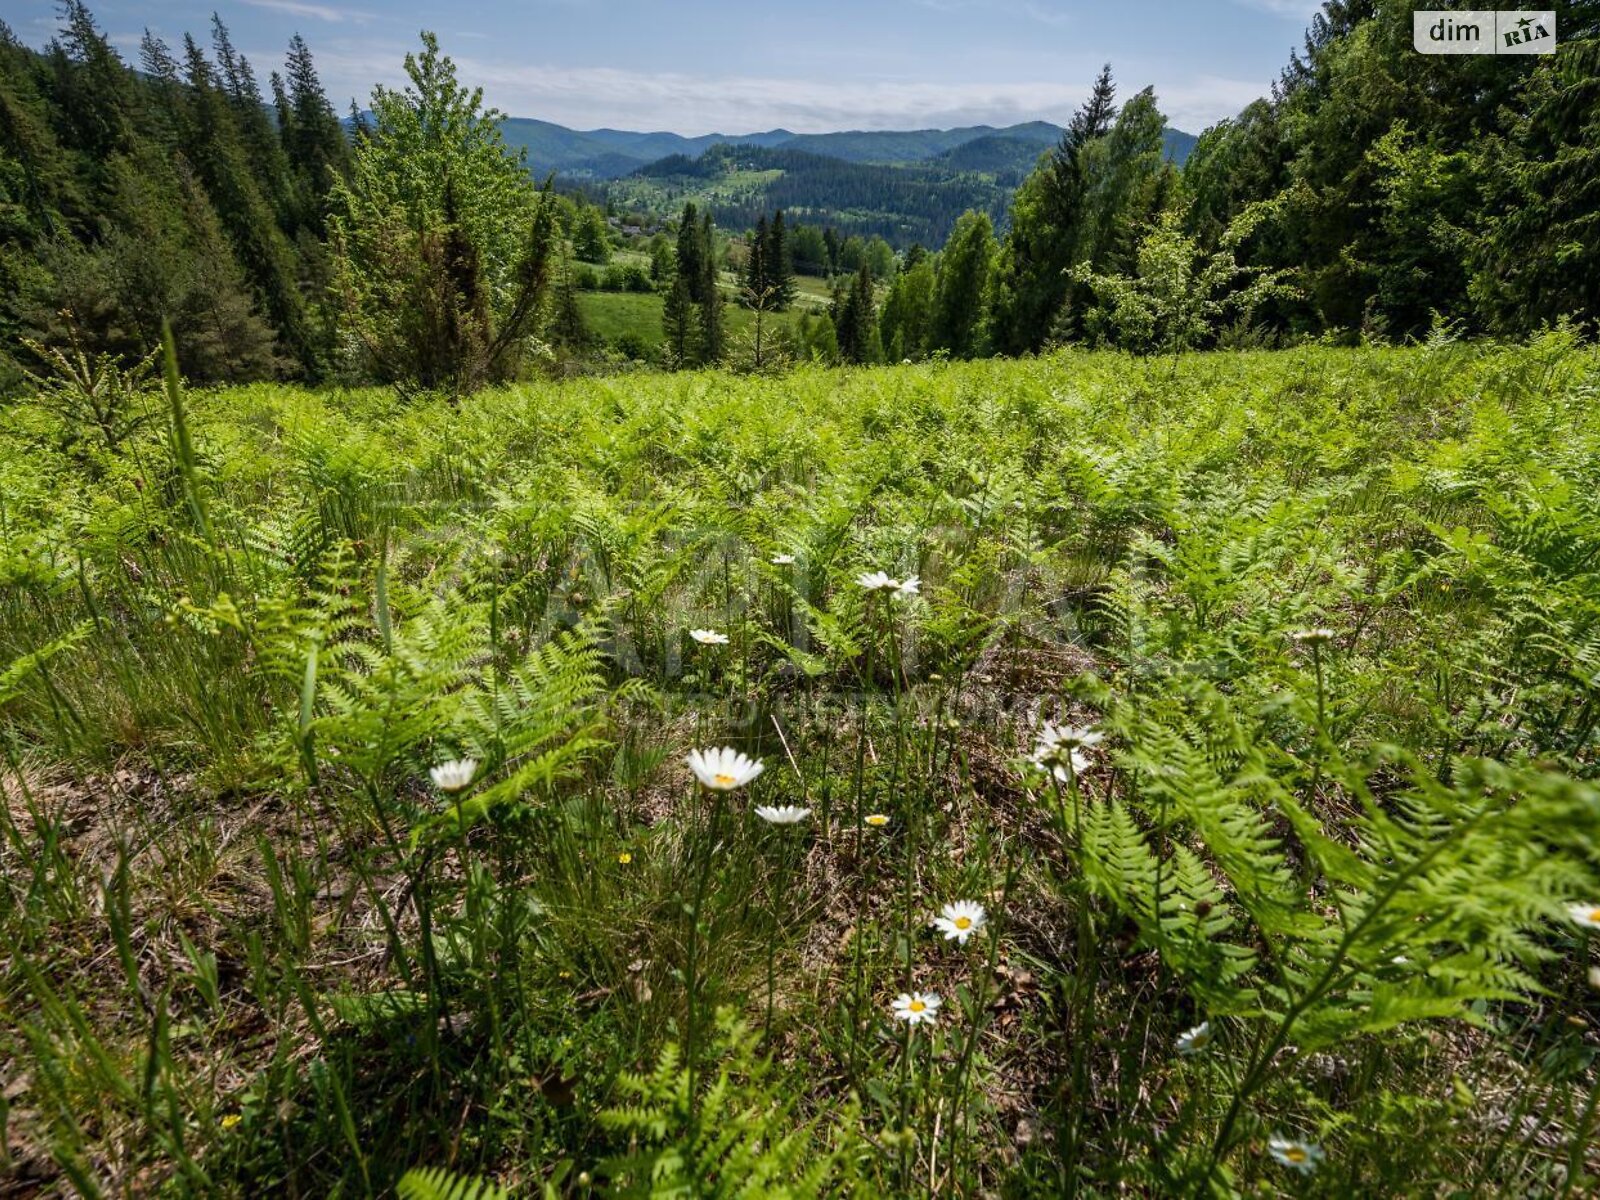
(1281, 886)
(615, 315)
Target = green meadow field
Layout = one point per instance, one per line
(1142, 776)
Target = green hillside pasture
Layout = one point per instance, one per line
(613, 315)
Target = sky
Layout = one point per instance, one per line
(713, 66)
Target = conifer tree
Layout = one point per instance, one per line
(314, 143)
(857, 325)
(678, 323)
(757, 273)
(263, 150)
(215, 148)
(567, 326)
(713, 335)
(1044, 235)
(691, 253)
(777, 265)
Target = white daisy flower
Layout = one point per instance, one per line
(725, 769)
(911, 587)
(1192, 1041)
(1069, 737)
(916, 1008)
(1302, 1156)
(960, 920)
(783, 814)
(1587, 915)
(454, 776)
(876, 820)
(877, 581)
(782, 560)
(709, 637)
(1312, 637)
(1056, 761)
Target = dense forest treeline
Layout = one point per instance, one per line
(1376, 193)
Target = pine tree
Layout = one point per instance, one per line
(313, 140)
(567, 326)
(691, 253)
(712, 332)
(757, 272)
(263, 150)
(778, 265)
(215, 148)
(1044, 234)
(857, 326)
(678, 322)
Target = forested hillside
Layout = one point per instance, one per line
(599, 154)
(1374, 194)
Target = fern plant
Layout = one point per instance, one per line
(740, 1138)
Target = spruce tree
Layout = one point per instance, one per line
(757, 272)
(691, 253)
(857, 325)
(214, 146)
(678, 323)
(1044, 235)
(778, 265)
(313, 140)
(567, 326)
(263, 149)
(712, 326)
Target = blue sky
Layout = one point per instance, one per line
(740, 67)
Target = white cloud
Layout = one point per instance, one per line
(592, 96)
(319, 12)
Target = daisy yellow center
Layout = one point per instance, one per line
(963, 922)
(723, 779)
(1594, 916)
(916, 1006)
(1295, 1155)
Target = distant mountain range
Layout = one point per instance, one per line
(603, 154)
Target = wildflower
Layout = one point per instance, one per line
(1587, 915)
(1302, 1156)
(783, 814)
(876, 820)
(1053, 761)
(624, 858)
(229, 1121)
(1071, 737)
(725, 769)
(877, 581)
(911, 587)
(454, 776)
(782, 560)
(1062, 746)
(961, 920)
(916, 1008)
(1312, 637)
(709, 637)
(1192, 1041)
